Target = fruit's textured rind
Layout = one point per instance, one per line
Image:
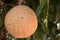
(21, 21)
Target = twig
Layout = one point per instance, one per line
(21, 2)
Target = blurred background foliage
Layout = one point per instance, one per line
(48, 14)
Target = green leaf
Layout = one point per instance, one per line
(45, 29)
(40, 7)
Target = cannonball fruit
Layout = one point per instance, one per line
(21, 21)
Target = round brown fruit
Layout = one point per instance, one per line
(21, 21)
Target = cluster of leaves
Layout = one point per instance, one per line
(45, 9)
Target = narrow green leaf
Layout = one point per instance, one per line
(40, 7)
(45, 29)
